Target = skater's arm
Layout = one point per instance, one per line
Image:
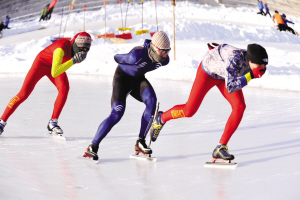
(57, 66)
(287, 21)
(129, 58)
(234, 83)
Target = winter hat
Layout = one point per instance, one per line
(161, 40)
(257, 54)
(283, 15)
(83, 39)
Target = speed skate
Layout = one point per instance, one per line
(88, 158)
(220, 163)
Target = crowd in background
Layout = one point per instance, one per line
(279, 19)
(4, 25)
(47, 11)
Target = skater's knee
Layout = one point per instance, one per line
(241, 107)
(189, 113)
(150, 101)
(149, 97)
(117, 111)
(22, 96)
(64, 89)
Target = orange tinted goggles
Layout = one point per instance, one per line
(162, 51)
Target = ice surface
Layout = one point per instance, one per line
(266, 146)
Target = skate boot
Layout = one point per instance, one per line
(2, 125)
(91, 152)
(53, 128)
(156, 126)
(221, 154)
(141, 147)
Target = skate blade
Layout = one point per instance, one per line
(143, 157)
(86, 158)
(56, 137)
(59, 137)
(222, 164)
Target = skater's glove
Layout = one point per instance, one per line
(79, 57)
(255, 73)
(212, 45)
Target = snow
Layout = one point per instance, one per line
(265, 145)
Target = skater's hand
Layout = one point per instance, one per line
(212, 45)
(258, 72)
(79, 57)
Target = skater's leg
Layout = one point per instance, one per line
(62, 84)
(149, 98)
(202, 84)
(117, 111)
(290, 29)
(270, 14)
(33, 76)
(237, 102)
(121, 87)
(145, 93)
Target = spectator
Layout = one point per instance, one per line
(1, 28)
(267, 9)
(286, 26)
(6, 22)
(260, 7)
(279, 21)
(44, 13)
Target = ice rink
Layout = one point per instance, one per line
(34, 166)
(266, 144)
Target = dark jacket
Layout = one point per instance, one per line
(1, 27)
(137, 62)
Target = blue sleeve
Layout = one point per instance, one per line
(233, 82)
(289, 21)
(129, 58)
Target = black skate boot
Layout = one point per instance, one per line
(141, 147)
(53, 128)
(156, 126)
(2, 125)
(221, 153)
(91, 152)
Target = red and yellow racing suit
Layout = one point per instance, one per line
(52, 62)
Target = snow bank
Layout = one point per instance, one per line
(195, 26)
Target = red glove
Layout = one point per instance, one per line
(257, 72)
(212, 45)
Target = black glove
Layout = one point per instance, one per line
(79, 57)
(212, 45)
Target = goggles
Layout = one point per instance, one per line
(85, 49)
(162, 51)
